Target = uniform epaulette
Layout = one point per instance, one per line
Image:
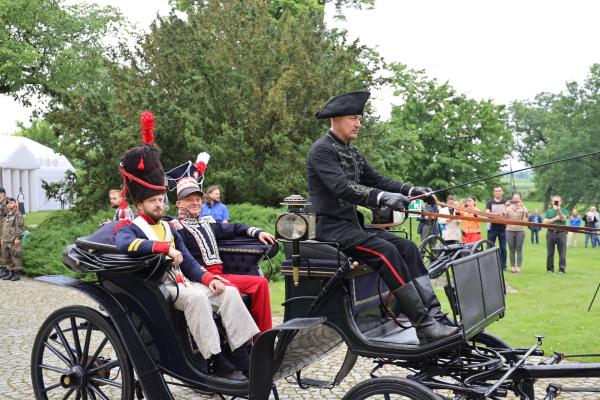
(122, 223)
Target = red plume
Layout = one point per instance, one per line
(148, 127)
(200, 167)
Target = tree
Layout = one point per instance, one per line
(48, 47)
(569, 125)
(228, 79)
(442, 137)
(40, 131)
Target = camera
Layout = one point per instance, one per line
(514, 202)
(556, 202)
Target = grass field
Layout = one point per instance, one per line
(553, 305)
(36, 218)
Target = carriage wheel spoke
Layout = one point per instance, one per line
(97, 391)
(86, 342)
(58, 354)
(51, 387)
(55, 369)
(78, 395)
(109, 364)
(97, 353)
(84, 394)
(63, 339)
(105, 381)
(68, 394)
(76, 339)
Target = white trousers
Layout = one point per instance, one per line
(198, 302)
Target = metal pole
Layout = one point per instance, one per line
(594, 298)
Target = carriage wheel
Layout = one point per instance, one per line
(390, 388)
(78, 355)
(429, 249)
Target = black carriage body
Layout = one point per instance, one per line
(154, 334)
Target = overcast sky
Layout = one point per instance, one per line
(499, 49)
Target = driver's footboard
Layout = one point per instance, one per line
(476, 290)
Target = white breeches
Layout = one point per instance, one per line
(198, 302)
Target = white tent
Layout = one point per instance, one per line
(24, 163)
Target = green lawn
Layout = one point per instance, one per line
(36, 218)
(553, 305)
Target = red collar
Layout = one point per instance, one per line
(147, 218)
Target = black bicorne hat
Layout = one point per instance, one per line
(188, 177)
(143, 174)
(352, 103)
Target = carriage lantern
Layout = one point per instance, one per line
(295, 224)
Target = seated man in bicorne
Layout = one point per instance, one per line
(200, 237)
(196, 291)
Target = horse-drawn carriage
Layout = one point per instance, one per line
(136, 343)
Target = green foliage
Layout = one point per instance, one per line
(42, 252)
(62, 191)
(229, 79)
(48, 47)
(438, 137)
(40, 131)
(556, 126)
(264, 218)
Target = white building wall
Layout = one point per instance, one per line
(34, 188)
(24, 177)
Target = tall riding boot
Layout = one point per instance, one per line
(427, 328)
(16, 276)
(8, 276)
(430, 300)
(3, 272)
(240, 357)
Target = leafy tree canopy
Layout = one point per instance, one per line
(48, 47)
(556, 126)
(438, 137)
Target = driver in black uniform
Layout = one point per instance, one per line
(339, 179)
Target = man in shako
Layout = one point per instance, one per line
(200, 237)
(339, 179)
(197, 292)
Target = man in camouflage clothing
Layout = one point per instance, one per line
(3, 212)
(12, 231)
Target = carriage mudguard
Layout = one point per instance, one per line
(151, 379)
(265, 348)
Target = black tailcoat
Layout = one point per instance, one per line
(339, 179)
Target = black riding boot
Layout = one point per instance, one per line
(430, 300)
(427, 328)
(241, 359)
(3, 272)
(223, 368)
(8, 276)
(16, 276)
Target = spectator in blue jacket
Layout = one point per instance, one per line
(537, 218)
(212, 207)
(575, 220)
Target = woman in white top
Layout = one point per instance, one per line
(451, 232)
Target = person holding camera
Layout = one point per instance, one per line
(556, 215)
(515, 234)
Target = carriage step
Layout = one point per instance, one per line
(305, 383)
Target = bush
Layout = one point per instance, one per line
(42, 252)
(264, 218)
